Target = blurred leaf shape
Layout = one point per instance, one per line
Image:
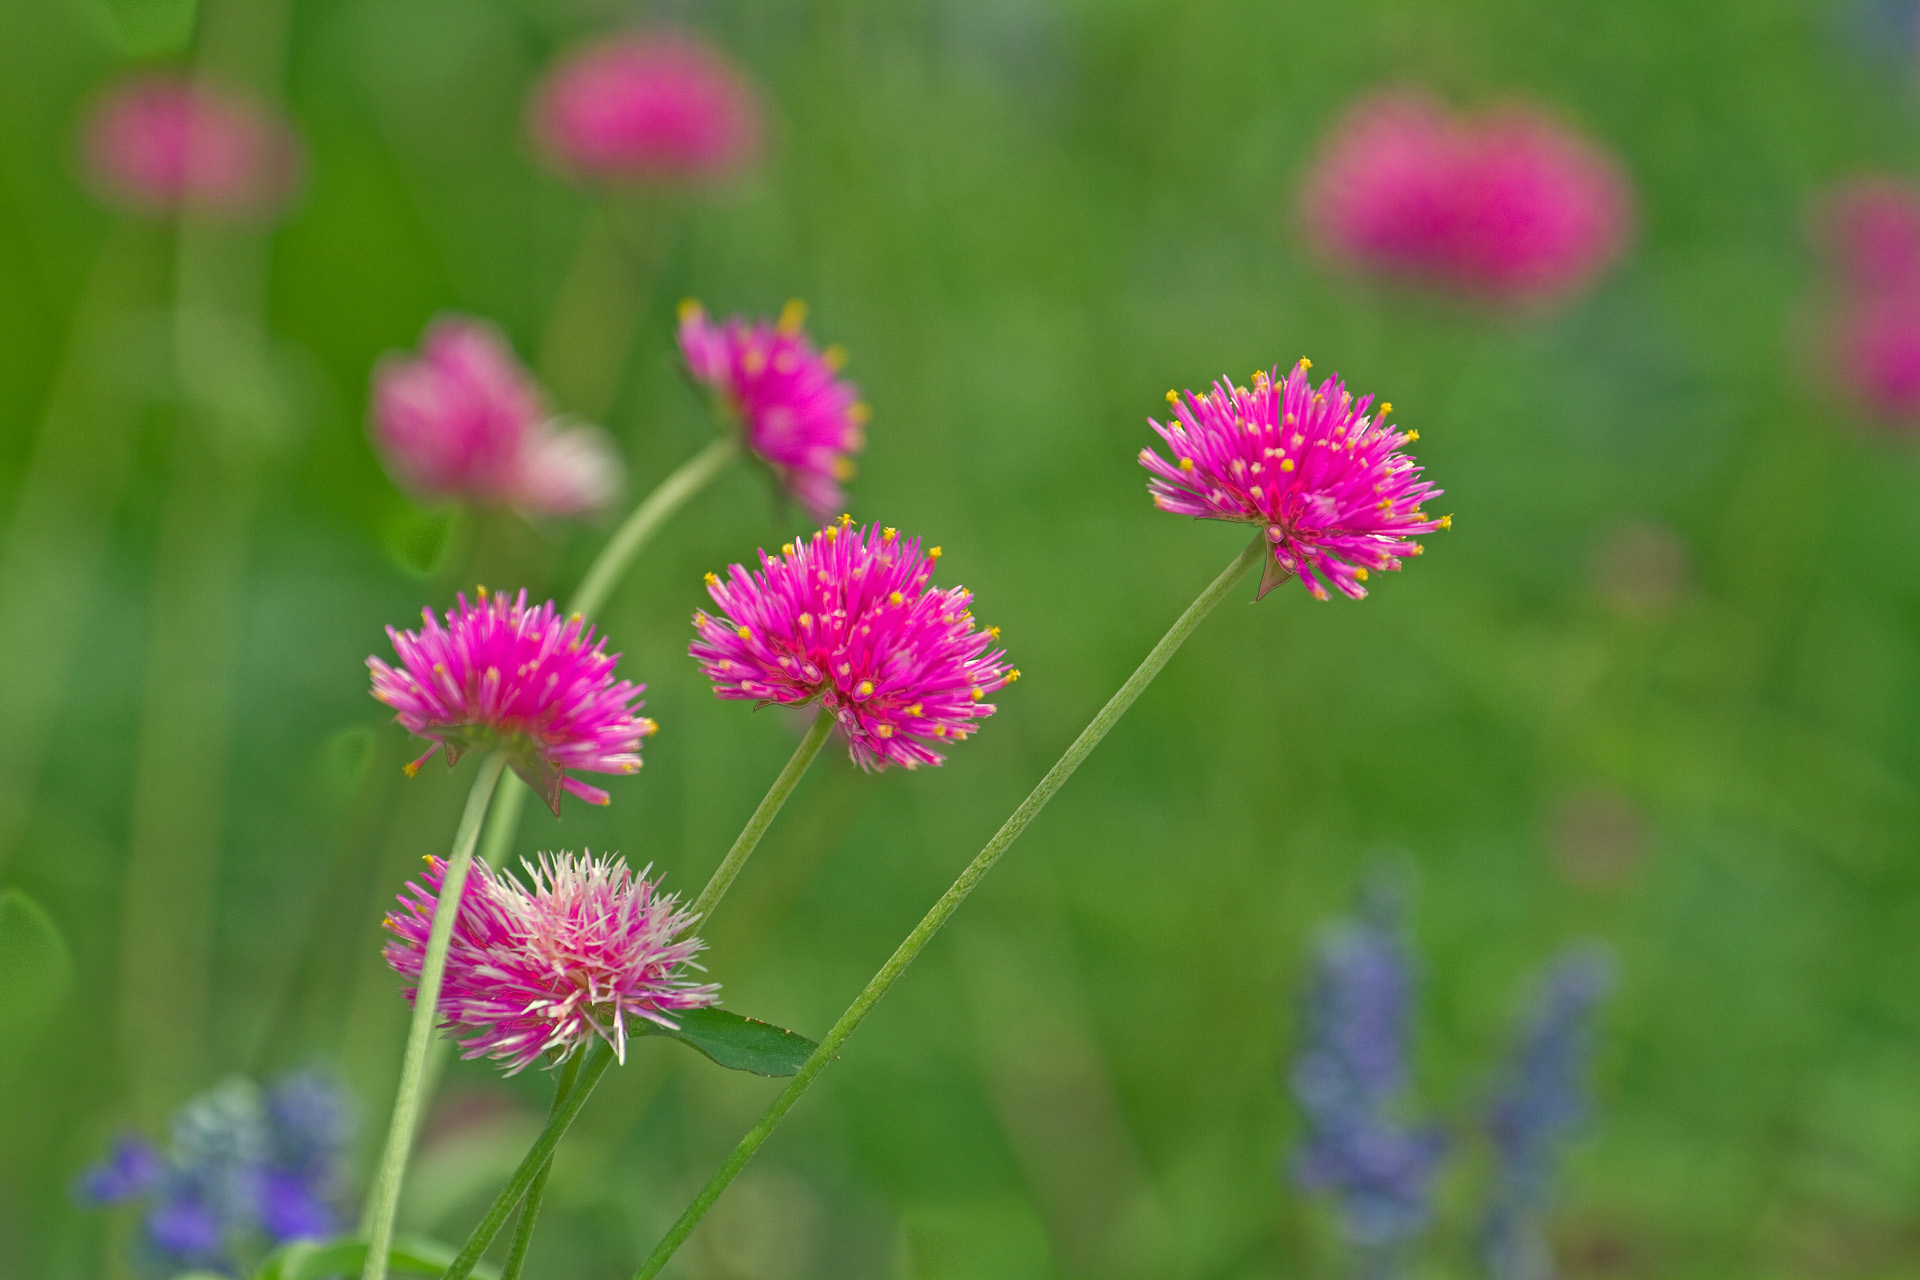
(143, 28)
(420, 542)
(322, 1260)
(741, 1044)
(36, 965)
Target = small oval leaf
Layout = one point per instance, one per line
(742, 1044)
(36, 966)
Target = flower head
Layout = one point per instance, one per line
(1338, 499)
(543, 968)
(1511, 205)
(1869, 228)
(159, 144)
(525, 681)
(850, 616)
(651, 106)
(463, 419)
(800, 417)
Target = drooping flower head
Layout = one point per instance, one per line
(658, 106)
(1510, 205)
(800, 417)
(1337, 497)
(465, 420)
(159, 144)
(543, 968)
(1869, 229)
(851, 617)
(526, 681)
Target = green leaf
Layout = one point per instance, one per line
(741, 1044)
(419, 542)
(36, 966)
(311, 1260)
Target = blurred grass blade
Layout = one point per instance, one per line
(742, 1044)
(36, 966)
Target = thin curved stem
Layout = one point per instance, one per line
(385, 1200)
(537, 1189)
(950, 901)
(763, 816)
(638, 529)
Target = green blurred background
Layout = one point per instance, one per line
(1656, 688)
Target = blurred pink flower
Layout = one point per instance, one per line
(545, 969)
(800, 418)
(1337, 497)
(465, 420)
(1869, 228)
(1510, 205)
(652, 106)
(160, 144)
(1876, 349)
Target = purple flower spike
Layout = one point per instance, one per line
(525, 681)
(1338, 499)
(851, 617)
(133, 1168)
(544, 969)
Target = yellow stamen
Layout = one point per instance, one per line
(1173, 398)
(845, 469)
(1013, 675)
(883, 731)
(1186, 464)
(994, 632)
(859, 414)
(1446, 522)
(845, 519)
(864, 689)
(889, 534)
(896, 598)
(793, 315)
(689, 308)
(713, 580)
(835, 356)
(786, 549)
(978, 693)
(916, 709)
(1412, 436)
(1360, 574)
(1286, 464)
(743, 633)
(933, 553)
(1305, 363)
(412, 770)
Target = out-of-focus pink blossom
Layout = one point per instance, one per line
(464, 419)
(1876, 348)
(158, 144)
(657, 106)
(1869, 228)
(1510, 205)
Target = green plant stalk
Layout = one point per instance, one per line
(385, 1199)
(763, 816)
(537, 1189)
(950, 901)
(534, 1164)
(654, 510)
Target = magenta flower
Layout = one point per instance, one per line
(1869, 228)
(850, 617)
(1876, 350)
(1338, 499)
(542, 970)
(158, 144)
(501, 676)
(800, 419)
(649, 106)
(463, 419)
(1510, 206)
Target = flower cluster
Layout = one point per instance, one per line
(246, 1168)
(158, 144)
(541, 970)
(464, 419)
(502, 676)
(799, 416)
(1869, 231)
(1337, 497)
(1510, 206)
(850, 616)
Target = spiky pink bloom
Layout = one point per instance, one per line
(1337, 497)
(851, 617)
(159, 144)
(464, 419)
(800, 418)
(541, 969)
(1510, 205)
(501, 676)
(649, 106)
(1869, 227)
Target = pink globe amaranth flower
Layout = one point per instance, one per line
(1876, 349)
(159, 144)
(1510, 206)
(799, 417)
(1869, 227)
(649, 106)
(850, 617)
(542, 969)
(501, 676)
(1338, 499)
(463, 419)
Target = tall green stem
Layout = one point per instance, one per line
(763, 816)
(950, 901)
(426, 1011)
(537, 1189)
(655, 510)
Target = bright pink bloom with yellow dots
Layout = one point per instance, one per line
(1510, 206)
(651, 106)
(501, 676)
(850, 616)
(161, 144)
(800, 418)
(580, 951)
(1328, 482)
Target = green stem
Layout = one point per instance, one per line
(654, 510)
(537, 1189)
(504, 822)
(763, 816)
(950, 901)
(533, 1165)
(385, 1200)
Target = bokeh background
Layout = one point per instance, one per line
(1655, 688)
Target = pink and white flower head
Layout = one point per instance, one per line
(850, 616)
(1869, 227)
(1510, 206)
(501, 676)
(464, 419)
(159, 144)
(540, 970)
(799, 416)
(1337, 497)
(657, 106)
